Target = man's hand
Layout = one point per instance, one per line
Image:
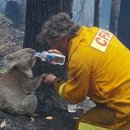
(54, 51)
(49, 79)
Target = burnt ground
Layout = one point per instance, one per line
(40, 123)
(61, 121)
(48, 106)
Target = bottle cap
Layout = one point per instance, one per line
(38, 54)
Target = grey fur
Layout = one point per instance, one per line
(17, 86)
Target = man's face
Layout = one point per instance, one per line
(61, 45)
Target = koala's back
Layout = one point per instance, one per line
(16, 86)
(11, 89)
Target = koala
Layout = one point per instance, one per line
(17, 85)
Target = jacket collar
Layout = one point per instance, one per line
(73, 44)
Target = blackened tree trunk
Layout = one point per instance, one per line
(96, 13)
(37, 12)
(115, 9)
(124, 23)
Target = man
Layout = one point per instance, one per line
(98, 66)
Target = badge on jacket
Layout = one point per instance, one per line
(102, 40)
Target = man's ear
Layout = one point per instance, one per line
(63, 37)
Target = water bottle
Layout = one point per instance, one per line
(51, 57)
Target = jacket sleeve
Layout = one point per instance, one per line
(76, 88)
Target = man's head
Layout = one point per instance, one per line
(58, 31)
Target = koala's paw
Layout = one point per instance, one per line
(43, 76)
(33, 115)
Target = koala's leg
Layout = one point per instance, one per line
(27, 106)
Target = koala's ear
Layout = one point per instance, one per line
(8, 57)
(9, 61)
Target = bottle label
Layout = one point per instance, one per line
(49, 57)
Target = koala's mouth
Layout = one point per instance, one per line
(34, 61)
(33, 56)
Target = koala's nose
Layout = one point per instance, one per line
(33, 52)
(33, 56)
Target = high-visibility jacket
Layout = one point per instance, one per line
(98, 67)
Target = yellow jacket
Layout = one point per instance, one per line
(98, 67)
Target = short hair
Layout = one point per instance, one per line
(58, 26)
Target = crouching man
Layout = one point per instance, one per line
(98, 66)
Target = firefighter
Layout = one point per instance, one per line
(98, 66)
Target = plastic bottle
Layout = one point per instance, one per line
(51, 57)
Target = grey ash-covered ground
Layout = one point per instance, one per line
(49, 106)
